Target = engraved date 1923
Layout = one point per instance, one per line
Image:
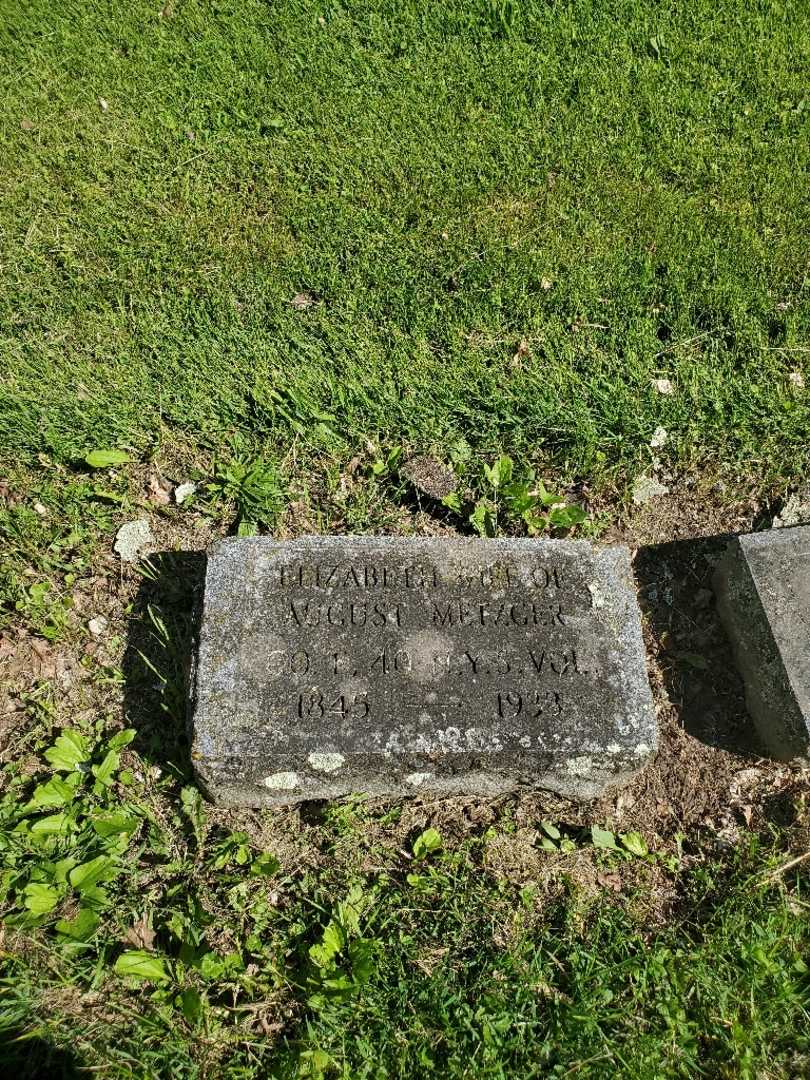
(533, 704)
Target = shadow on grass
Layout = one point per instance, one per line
(693, 650)
(675, 593)
(158, 656)
(27, 1057)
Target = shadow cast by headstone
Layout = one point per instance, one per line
(26, 1057)
(157, 659)
(690, 643)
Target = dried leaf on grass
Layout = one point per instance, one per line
(140, 934)
(159, 490)
(304, 300)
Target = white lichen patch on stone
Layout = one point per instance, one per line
(281, 781)
(326, 762)
(641, 749)
(597, 596)
(482, 740)
(416, 779)
(579, 766)
(450, 739)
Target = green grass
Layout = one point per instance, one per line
(422, 170)
(504, 220)
(434, 961)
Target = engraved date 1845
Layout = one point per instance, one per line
(314, 703)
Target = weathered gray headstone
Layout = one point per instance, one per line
(763, 591)
(394, 666)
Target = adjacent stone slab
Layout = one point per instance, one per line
(399, 666)
(763, 591)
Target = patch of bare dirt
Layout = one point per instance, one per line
(694, 508)
(708, 742)
(430, 478)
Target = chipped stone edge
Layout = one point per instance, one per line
(286, 788)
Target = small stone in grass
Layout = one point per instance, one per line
(304, 300)
(663, 386)
(795, 510)
(659, 438)
(184, 491)
(646, 488)
(132, 538)
(97, 625)
(796, 380)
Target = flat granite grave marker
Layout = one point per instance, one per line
(763, 592)
(393, 666)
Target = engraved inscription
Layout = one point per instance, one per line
(394, 660)
(388, 664)
(487, 643)
(512, 704)
(348, 576)
(341, 613)
(315, 703)
(336, 576)
(281, 663)
(464, 613)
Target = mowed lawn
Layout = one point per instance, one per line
(278, 249)
(623, 187)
